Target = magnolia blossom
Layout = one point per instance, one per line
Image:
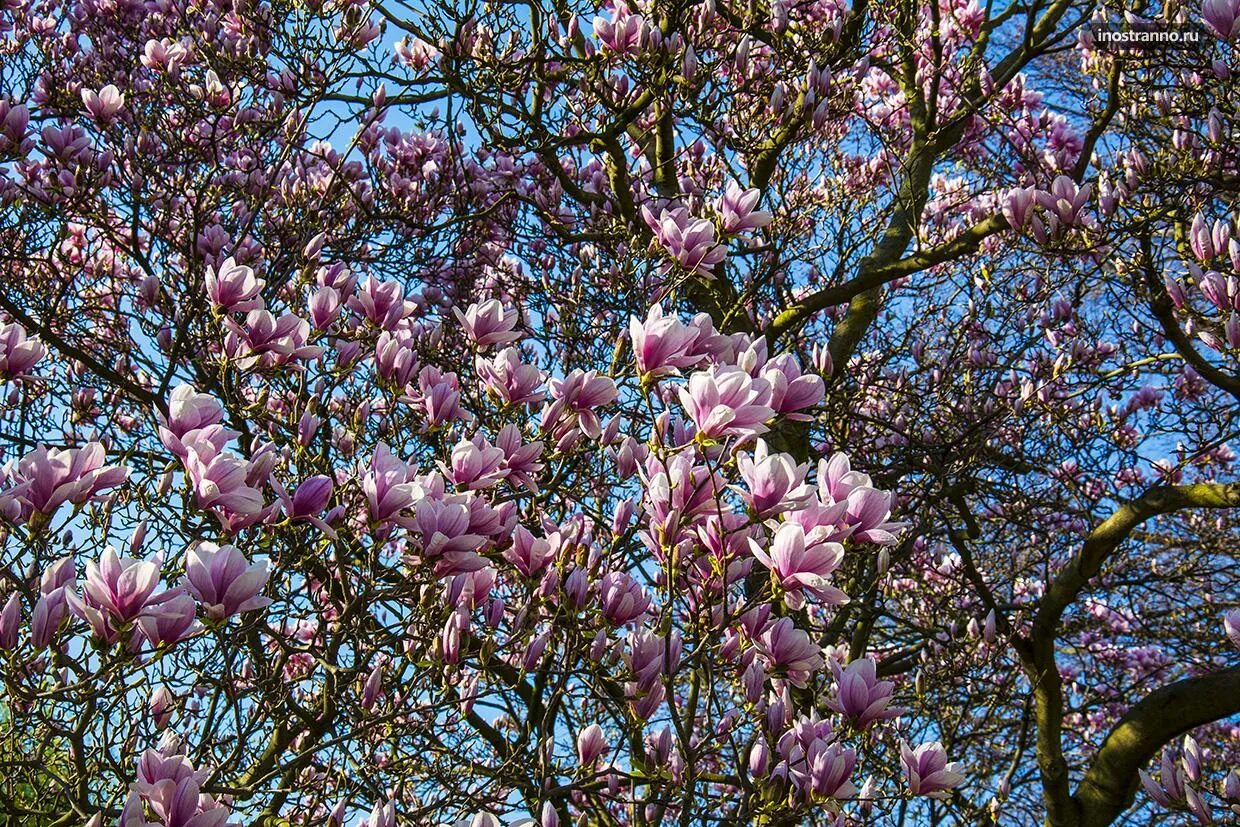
(789, 648)
(1231, 625)
(623, 598)
(513, 381)
(382, 303)
(1018, 206)
(591, 745)
(263, 340)
(860, 696)
(221, 482)
(191, 412)
(168, 622)
(1065, 201)
(529, 554)
(624, 33)
(10, 622)
(389, 486)
(233, 288)
(476, 464)
(116, 591)
(447, 537)
(47, 478)
(172, 788)
(18, 354)
(736, 209)
(488, 323)
(104, 104)
(224, 581)
(661, 344)
(689, 241)
(802, 567)
(574, 399)
(726, 401)
(927, 770)
(814, 762)
(1223, 17)
(775, 483)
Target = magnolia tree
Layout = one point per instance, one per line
(789, 412)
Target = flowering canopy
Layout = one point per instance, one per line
(628, 414)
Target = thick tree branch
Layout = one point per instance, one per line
(1110, 784)
(1107, 536)
(1043, 670)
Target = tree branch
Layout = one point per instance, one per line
(1043, 671)
(871, 276)
(1110, 784)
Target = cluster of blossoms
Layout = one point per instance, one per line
(1174, 788)
(674, 415)
(714, 506)
(1208, 296)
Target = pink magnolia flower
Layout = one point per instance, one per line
(220, 481)
(311, 497)
(788, 648)
(801, 568)
(171, 787)
(14, 121)
(10, 622)
(18, 354)
(623, 598)
(867, 510)
(103, 105)
(860, 696)
(661, 344)
(188, 412)
(529, 554)
(775, 483)
(726, 401)
(1018, 206)
(372, 687)
(389, 486)
(325, 304)
(439, 395)
(476, 464)
(164, 55)
(624, 33)
(792, 391)
(223, 580)
(689, 241)
(49, 612)
(927, 770)
(1223, 17)
(814, 762)
(447, 538)
(396, 361)
(161, 705)
(1231, 624)
(168, 622)
(488, 323)
(591, 745)
(1065, 201)
(650, 656)
(57, 476)
(521, 460)
(232, 288)
(116, 591)
(508, 378)
(736, 209)
(380, 303)
(576, 396)
(265, 341)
